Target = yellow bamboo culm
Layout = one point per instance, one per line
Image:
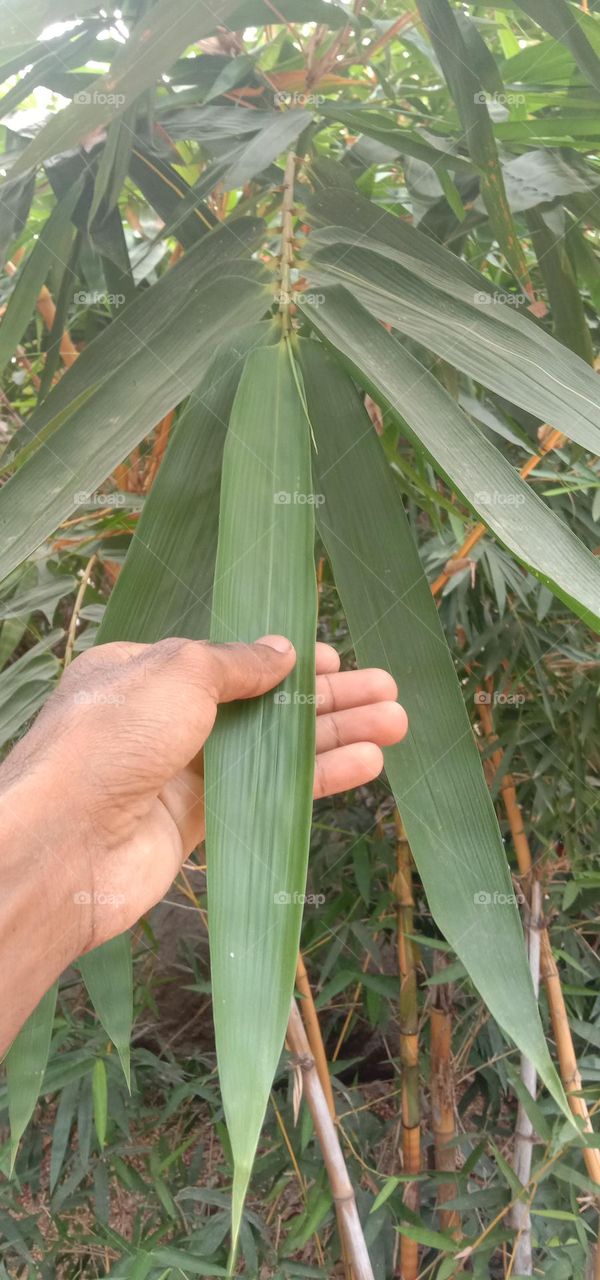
(567, 1058)
(409, 1042)
(312, 1027)
(443, 1101)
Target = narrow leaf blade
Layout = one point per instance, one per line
(436, 774)
(259, 759)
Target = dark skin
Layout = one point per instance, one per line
(103, 799)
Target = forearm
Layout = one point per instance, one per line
(42, 926)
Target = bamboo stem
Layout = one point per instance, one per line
(349, 1224)
(72, 632)
(409, 1042)
(567, 1059)
(443, 1102)
(310, 1018)
(520, 1214)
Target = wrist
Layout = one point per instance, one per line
(45, 917)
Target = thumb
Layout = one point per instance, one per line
(247, 670)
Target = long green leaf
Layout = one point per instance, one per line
(259, 758)
(436, 774)
(25, 1066)
(517, 360)
(471, 464)
(165, 589)
(162, 358)
(165, 586)
(113, 1001)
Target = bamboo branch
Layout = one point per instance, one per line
(72, 632)
(552, 441)
(349, 1224)
(443, 1102)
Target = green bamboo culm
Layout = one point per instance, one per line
(259, 760)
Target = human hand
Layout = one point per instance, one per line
(107, 787)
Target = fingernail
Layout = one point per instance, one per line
(280, 643)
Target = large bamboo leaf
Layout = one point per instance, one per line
(165, 586)
(164, 351)
(112, 1000)
(367, 226)
(517, 360)
(157, 40)
(471, 464)
(274, 138)
(25, 1066)
(164, 589)
(436, 773)
(259, 758)
(139, 324)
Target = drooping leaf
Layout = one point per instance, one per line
(265, 146)
(259, 758)
(466, 89)
(165, 589)
(65, 1115)
(436, 773)
(113, 1001)
(481, 336)
(150, 357)
(25, 1066)
(471, 464)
